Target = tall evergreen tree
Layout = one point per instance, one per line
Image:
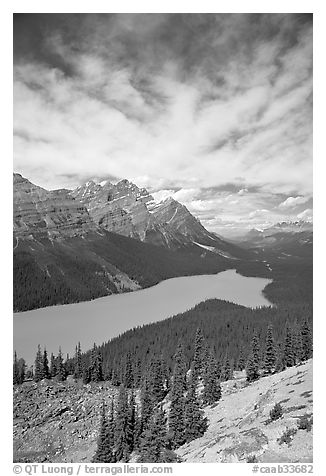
(15, 370)
(78, 370)
(38, 367)
(153, 447)
(253, 364)
(212, 387)
(45, 365)
(176, 416)
(227, 371)
(122, 449)
(195, 423)
(104, 452)
(131, 423)
(128, 372)
(96, 365)
(289, 356)
(199, 355)
(307, 341)
(53, 370)
(156, 380)
(241, 360)
(60, 368)
(270, 351)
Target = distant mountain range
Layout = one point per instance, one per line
(101, 239)
(74, 245)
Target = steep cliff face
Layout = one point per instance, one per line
(119, 208)
(50, 214)
(128, 210)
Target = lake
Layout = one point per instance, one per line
(103, 318)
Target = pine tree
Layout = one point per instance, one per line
(21, 370)
(147, 404)
(212, 387)
(122, 450)
(156, 380)
(131, 423)
(38, 368)
(242, 360)
(227, 372)
(15, 370)
(307, 341)
(78, 370)
(270, 351)
(45, 365)
(96, 365)
(60, 368)
(176, 416)
(104, 452)
(254, 360)
(153, 447)
(16, 379)
(199, 351)
(128, 373)
(53, 370)
(289, 357)
(195, 424)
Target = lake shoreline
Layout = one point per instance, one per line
(106, 317)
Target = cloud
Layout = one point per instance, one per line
(181, 104)
(305, 215)
(293, 202)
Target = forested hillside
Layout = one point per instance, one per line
(83, 268)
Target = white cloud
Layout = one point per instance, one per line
(305, 215)
(293, 202)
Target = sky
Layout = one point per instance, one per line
(212, 109)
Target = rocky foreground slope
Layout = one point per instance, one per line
(58, 422)
(239, 426)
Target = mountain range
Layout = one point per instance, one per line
(103, 238)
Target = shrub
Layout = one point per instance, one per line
(287, 436)
(305, 423)
(276, 412)
(252, 459)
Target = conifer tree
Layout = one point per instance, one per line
(21, 370)
(122, 449)
(289, 357)
(212, 387)
(104, 452)
(242, 360)
(253, 364)
(153, 446)
(60, 368)
(96, 365)
(45, 365)
(195, 424)
(307, 341)
(38, 367)
(131, 423)
(199, 351)
(270, 351)
(53, 370)
(176, 416)
(297, 345)
(227, 372)
(128, 373)
(147, 404)
(156, 380)
(78, 368)
(15, 370)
